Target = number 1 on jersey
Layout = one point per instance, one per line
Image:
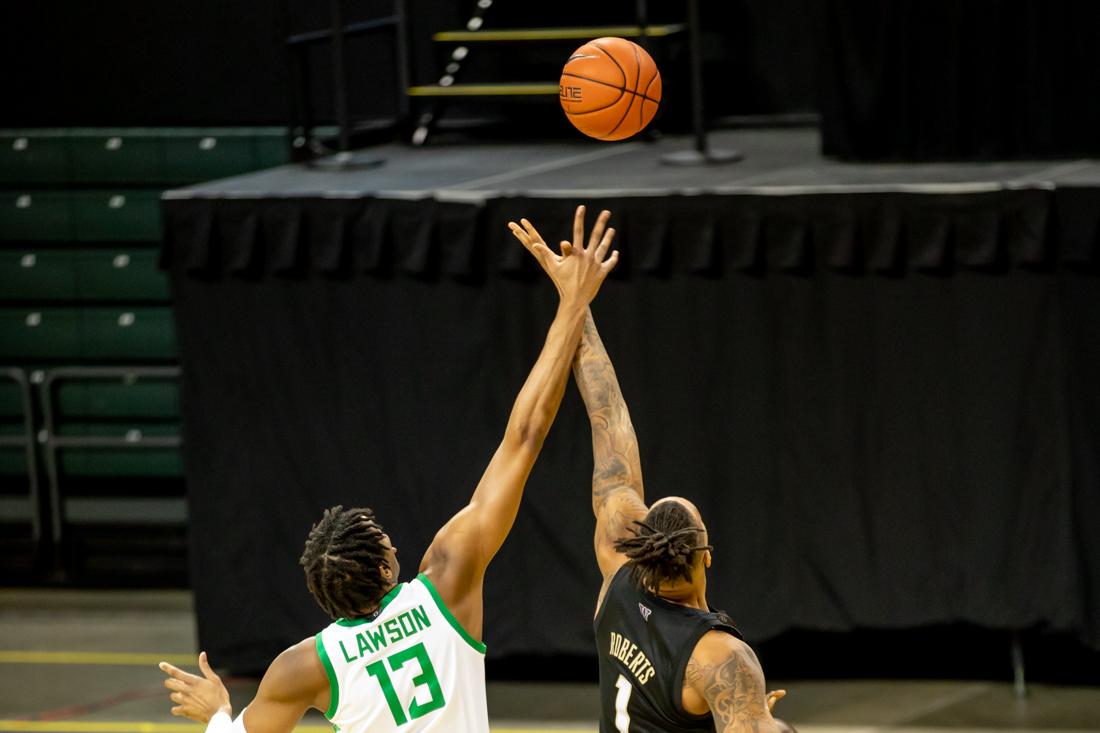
(622, 697)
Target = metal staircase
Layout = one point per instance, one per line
(434, 99)
(449, 86)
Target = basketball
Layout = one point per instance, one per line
(610, 88)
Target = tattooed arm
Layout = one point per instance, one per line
(617, 495)
(724, 676)
(459, 555)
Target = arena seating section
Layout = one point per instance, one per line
(89, 398)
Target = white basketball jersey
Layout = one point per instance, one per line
(410, 668)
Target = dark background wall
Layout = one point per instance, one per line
(179, 62)
(132, 63)
(902, 80)
(937, 79)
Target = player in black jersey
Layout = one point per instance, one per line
(668, 663)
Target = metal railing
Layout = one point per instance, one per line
(53, 442)
(11, 508)
(302, 122)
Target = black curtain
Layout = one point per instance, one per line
(884, 405)
(937, 79)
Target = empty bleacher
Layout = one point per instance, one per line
(89, 380)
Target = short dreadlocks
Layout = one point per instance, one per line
(341, 559)
(663, 546)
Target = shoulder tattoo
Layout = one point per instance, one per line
(734, 689)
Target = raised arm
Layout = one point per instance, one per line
(725, 672)
(462, 549)
(618, 498)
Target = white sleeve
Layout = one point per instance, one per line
(222, 723)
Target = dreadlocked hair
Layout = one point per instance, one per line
(663, 546)
(341, 559)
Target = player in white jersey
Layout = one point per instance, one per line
(407, 656)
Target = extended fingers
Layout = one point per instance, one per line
(533, 241)
(173, 671)
(609, 264)
(173, 684)
(520, 233)
(207, 671)
(598, 229)
(578, 227)
(531, 231)
(604, 243)
(533, 245)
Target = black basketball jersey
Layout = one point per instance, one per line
(643, 644)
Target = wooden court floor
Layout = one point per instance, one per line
(84, 662)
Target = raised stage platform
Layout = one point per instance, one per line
(777, 162)
(777, 205)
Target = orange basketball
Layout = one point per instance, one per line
(610, 88)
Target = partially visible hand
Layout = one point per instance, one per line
(578, 271)
(775, 696)
(197, 698)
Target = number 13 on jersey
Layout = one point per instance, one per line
(426, 678)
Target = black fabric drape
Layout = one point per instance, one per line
(714, 235)
(920, 79)
(884, 405)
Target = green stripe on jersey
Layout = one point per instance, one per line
(477, 645)
(333, 684)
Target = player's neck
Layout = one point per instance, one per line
(367, 615)
(692, 595)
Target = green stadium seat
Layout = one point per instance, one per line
(116, 216)
(39, 333)
(105, 155)
(73, 334)
(13, 458)
(120, 462)
(35, 215)
(18, 469)
(33, 156)
(120, 274)
(11, 402)
(86, 216)
(107, 274)
(37, 275)
(271, 149)
(136, 156)
(85, 399)
(203, 156)
(206, 154)
(135, 334)
(112, 428)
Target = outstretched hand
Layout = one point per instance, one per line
(579, 270)
(197, 698)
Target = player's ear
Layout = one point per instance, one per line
(386, 572)
(706, 558)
